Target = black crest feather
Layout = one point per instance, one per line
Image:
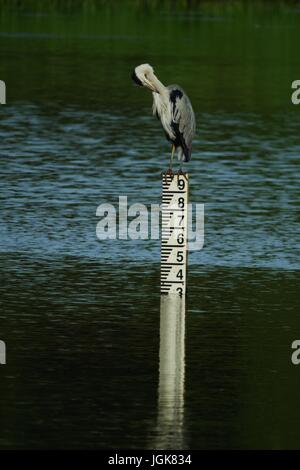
(136, 79)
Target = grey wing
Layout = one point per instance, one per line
(183, 116)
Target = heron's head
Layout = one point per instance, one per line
(143, 75)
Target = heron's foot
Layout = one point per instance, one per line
(181, 173)
(168, 172)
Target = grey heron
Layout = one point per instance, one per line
(173, 108)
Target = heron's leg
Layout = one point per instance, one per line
(180, 172)
(172, 156)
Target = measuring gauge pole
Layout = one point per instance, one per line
(174, 211)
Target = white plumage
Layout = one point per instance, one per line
(173, 108)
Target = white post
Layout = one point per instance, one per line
(174, 211)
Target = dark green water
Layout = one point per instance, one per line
(80, 317)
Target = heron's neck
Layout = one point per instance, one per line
(160, 88)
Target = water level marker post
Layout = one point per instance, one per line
(174, 213)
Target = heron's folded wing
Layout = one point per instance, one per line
(183, 115)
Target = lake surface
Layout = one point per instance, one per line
(81, 317)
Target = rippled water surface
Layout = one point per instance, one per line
(80, 317)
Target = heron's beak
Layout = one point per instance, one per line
(149, 85)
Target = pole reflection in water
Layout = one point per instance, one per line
(170, 421)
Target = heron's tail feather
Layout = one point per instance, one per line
(187, 156)
(184, 154)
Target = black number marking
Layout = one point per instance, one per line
(181, 202)
(179, 274)
(181, 184)
(180, 238)
(179, 290)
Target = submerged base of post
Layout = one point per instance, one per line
(174, 212)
